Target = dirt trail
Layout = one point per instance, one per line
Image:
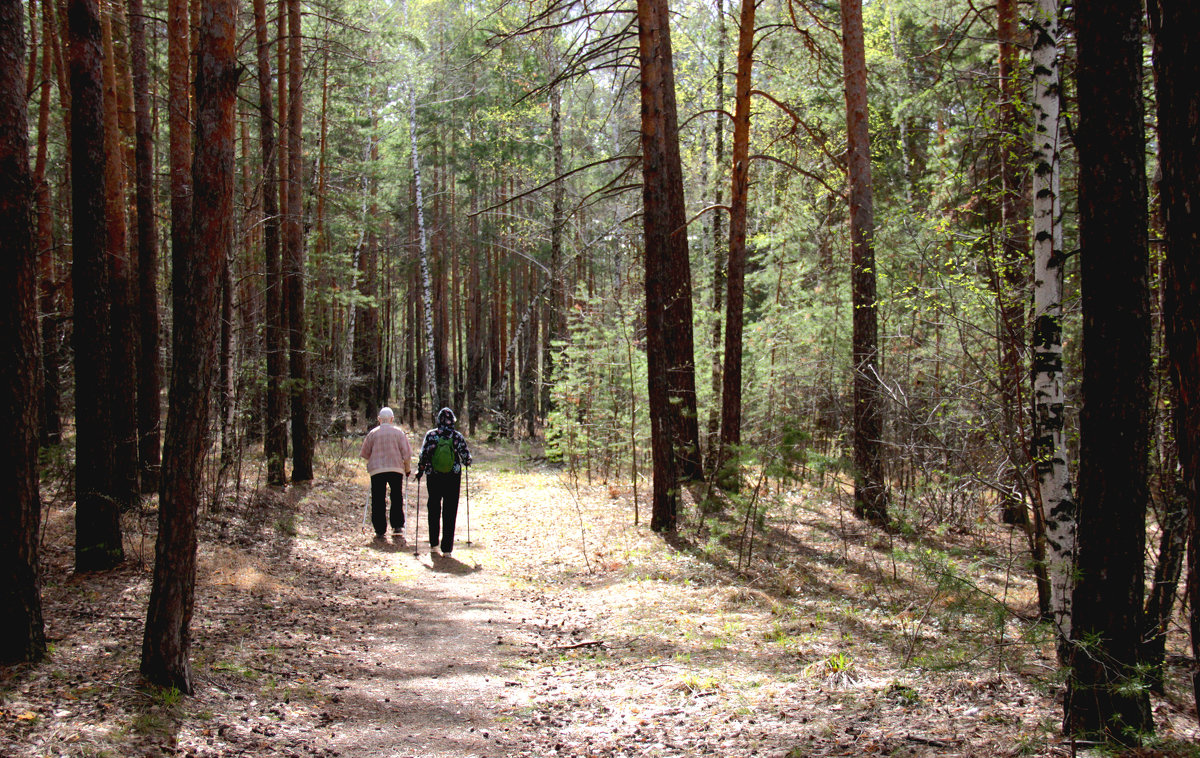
(416, 661)
(562, 630)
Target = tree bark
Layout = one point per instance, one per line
(1048, 448)
(366, 359)
(50, 431)
(121, 268)
(22, 631)
(720, 250)
(870, 489)
(179, 52)
(423, 253)
(293, 278)
(731, 391)
(149, 364)
(1013, 270)
(671, 368)
(1105, 696)
(275, 443)
(195, 294)
(556, 314)
(97, 515)
(1177, 64)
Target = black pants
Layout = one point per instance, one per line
(443, 508)
(379, 482)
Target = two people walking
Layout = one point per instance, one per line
(443, 455)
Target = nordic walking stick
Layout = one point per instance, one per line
(468, 475)
(417, 518)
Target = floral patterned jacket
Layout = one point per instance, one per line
(462, 455)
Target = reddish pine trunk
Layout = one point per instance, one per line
(124, 333)
(97, 516)
(51, 425)
(1012, 277)
(275, 441)
(1177, 65)
(302, 441)
(720, 251)
(149, 365)
(195, 293)
(22, 634)
(179, 121)
(671, 369)
(1103, 700)
(870, 491)
(731, 393)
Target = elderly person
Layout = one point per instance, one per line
(389, 460)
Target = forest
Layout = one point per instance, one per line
(935, 265)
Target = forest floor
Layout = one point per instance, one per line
(561, 630)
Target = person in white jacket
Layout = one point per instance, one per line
(389, 459)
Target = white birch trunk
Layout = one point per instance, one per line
(426, 284)
(1050, 456)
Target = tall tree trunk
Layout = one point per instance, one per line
(121, 272)
(366, 359)
(1104, 698)
(671, 369)
(731, 393)
(196, 280)
(423, 253)
(1057, 502)
(870, 490)
(1177, 64)
(1013, 267)
(226, 371)
(97, 515)
(50, 431)
(302, 439)
(556, 314)
(149, 365)
(22, 631)
(720, 250)
(275, 442)
(179, 53)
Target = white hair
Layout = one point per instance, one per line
(385, 414)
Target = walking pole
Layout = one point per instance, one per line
(468, 475)
(417, 518)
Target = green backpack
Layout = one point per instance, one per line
(442, 460)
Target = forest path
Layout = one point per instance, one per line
(567, 628)
(426, 647)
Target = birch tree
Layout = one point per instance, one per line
(1057, 501)
(423, 254)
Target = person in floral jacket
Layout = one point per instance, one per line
(444, 453)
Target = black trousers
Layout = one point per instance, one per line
(379, 483)
(443, 508)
